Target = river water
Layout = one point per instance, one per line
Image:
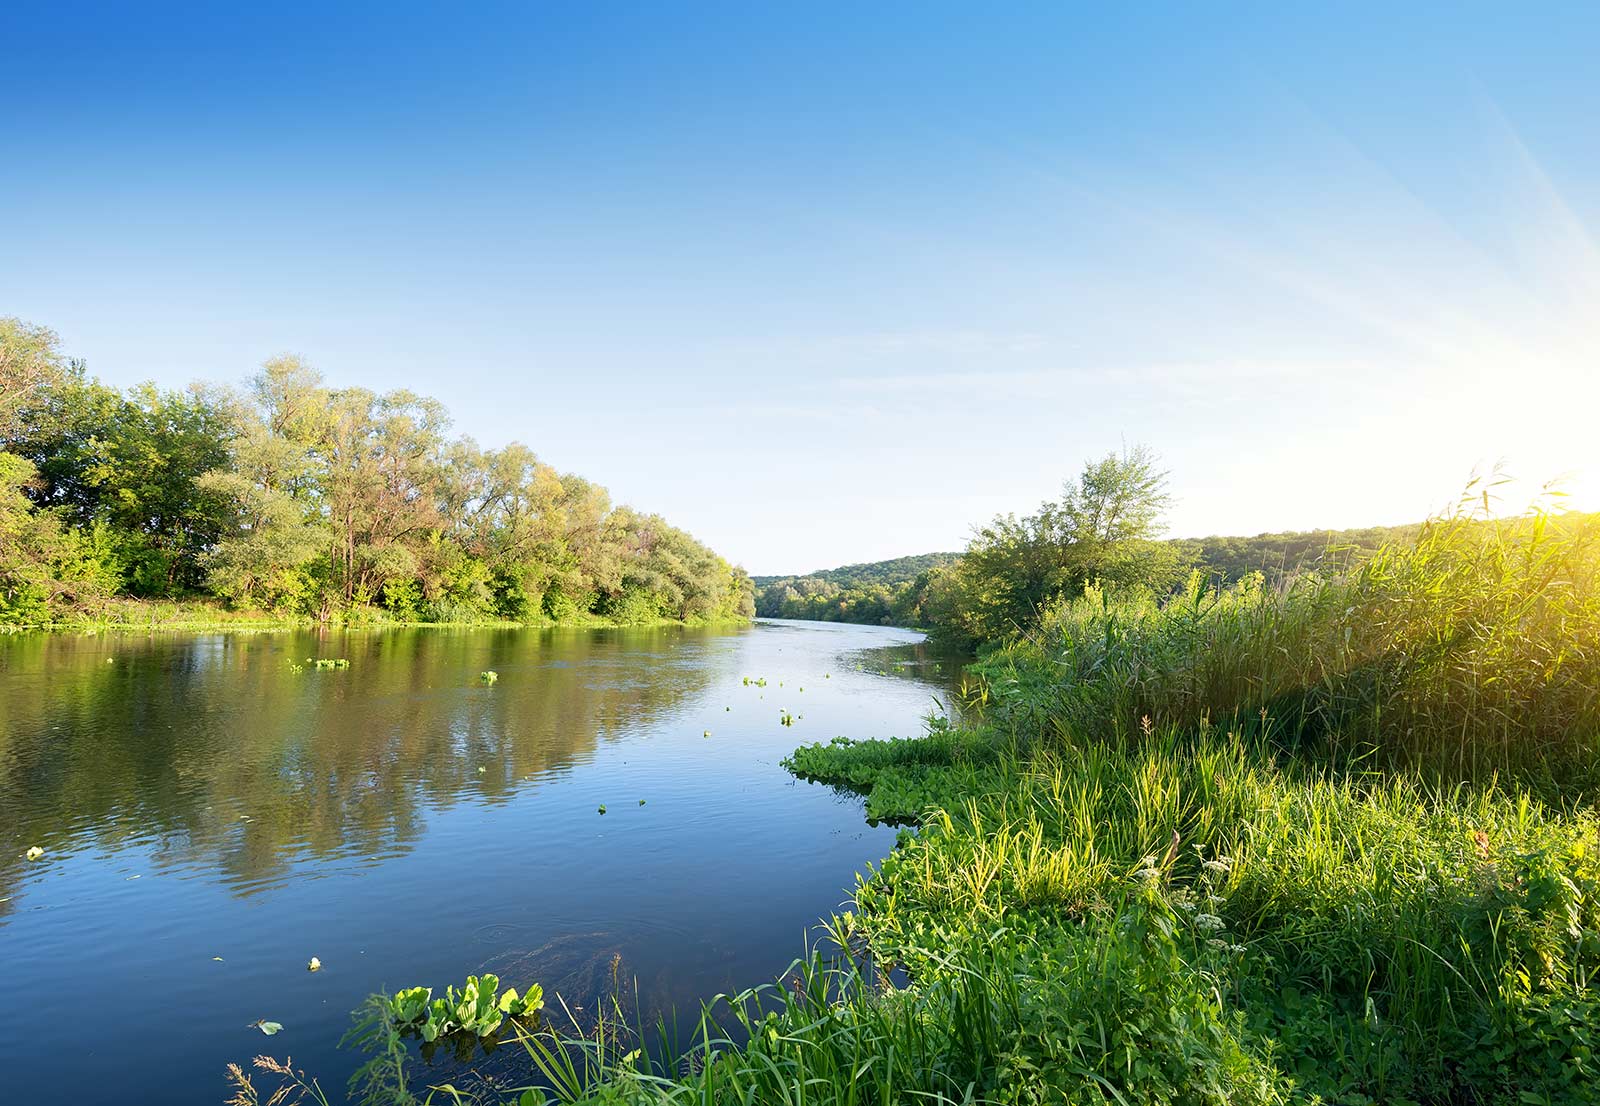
(212, 818)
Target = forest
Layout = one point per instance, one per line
(298, 500)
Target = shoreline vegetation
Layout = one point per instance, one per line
(184, 616)
(1326, 838)
(301, 502)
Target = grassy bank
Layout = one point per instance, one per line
(179, 615)
(1333, 841)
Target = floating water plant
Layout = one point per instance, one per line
(313, 965)
(706, 734)
(786, 719)
(641, 802)
(478, 1008)
(35, 852)
(489, 676)
(331, 662)
(602, 808)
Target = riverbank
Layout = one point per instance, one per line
(189, 615)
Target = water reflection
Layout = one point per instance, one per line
(212, 818)
(214, 747)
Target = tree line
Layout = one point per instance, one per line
(294, 497)
(1104, 529)
(887, 593)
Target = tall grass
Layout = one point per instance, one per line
(1474, 649)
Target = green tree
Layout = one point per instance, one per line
(30, 365)
(131, 462)
(1103, 529)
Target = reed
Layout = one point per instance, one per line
(1473, 650)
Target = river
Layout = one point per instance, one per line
(214, 811)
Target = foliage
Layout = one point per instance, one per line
(30, 364)
(1279, 557)
(899, 570)
(1473, 648)
(479, 1008)
(880, 593)
(308, 501)
(1101, 530)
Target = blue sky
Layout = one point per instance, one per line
(834, 283)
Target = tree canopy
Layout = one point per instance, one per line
(304, 499)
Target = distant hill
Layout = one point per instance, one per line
(891, 592)
(1227, 559)
(895, 571)
(881, 593)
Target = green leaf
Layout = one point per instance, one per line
(269, 1028)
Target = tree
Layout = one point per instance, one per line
(130, 462)
(30, 365)
(1103, 529)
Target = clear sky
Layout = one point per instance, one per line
(834, 283)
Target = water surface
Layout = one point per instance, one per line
(211, 819)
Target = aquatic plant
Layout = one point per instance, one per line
(323, 663)
(34, 852)
(488, 676)
(478, 1008)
